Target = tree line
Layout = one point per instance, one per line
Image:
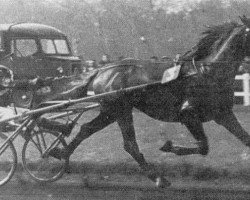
(129, 28)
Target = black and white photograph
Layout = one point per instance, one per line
(124, 99)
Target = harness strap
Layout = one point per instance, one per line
(196, 69)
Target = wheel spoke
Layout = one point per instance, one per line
(43, 168)
(43, 141)
(36, 145)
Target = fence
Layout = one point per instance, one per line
(246, 92)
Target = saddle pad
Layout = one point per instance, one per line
(171, 74)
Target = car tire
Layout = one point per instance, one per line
(22, 98)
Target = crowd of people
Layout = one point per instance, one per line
(93, 64)
(106, 59)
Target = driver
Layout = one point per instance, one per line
(6, 80)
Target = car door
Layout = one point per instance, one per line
(25, 58)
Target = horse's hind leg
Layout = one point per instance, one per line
(125, 121)
(87, 129)
(230, 122)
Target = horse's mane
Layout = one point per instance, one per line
(214, 36)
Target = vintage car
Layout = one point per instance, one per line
(35, 50)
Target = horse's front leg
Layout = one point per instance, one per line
(190, 118)
(196, 129)
(125, 121)
(230, 122)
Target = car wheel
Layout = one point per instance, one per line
(22, 98)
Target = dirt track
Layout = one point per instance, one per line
(104, 151)
(119, 188)
(103, 154)
(227, 155)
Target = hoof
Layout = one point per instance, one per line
(167, 147)
(161, 182)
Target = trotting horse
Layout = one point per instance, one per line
(193, 98)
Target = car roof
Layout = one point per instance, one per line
(30, 30)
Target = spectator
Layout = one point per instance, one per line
(91, 65)
(94, 64)
(177, 58)
(154, 59)
(243, 69)
(105, 60)
(165, 58)
(120, 58)
(245, 66)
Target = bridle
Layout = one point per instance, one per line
(247, 31)
(203, 67)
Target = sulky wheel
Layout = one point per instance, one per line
(36, 161)
(8, 159)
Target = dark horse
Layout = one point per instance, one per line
(193, 98)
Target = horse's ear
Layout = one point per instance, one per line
(245, 20)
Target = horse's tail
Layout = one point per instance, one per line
(90, 77)
(80, 90)
(87, 81)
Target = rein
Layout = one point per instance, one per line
(245, 43)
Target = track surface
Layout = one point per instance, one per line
(73, 187)
(106, 148)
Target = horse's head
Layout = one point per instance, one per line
(221, 43)
(222, 50)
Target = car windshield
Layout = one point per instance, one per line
(54, 46)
